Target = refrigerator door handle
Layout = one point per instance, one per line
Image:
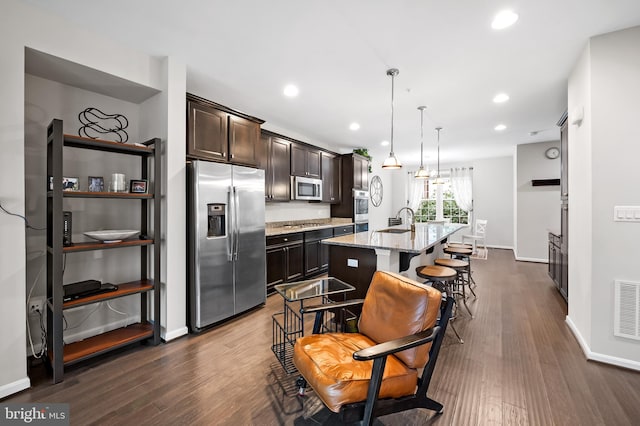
(236, 221)
(230, 226)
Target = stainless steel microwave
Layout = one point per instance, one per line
(308, 189)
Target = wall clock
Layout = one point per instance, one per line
(552, 153)
(375, 191)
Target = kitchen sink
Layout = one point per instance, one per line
(394, 230)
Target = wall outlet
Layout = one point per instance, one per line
(36, 304)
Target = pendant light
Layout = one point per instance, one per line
(438, 180)
(422, 173)
(392, 162)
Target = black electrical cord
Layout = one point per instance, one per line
(26, 222)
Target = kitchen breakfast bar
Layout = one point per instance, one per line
(355, 257)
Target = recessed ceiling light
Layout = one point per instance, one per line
(354, 126)
(384, 143)
(291, 90)
(504, 19)
(500, 98)
(500, 127)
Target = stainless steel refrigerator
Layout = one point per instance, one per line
(226, 248)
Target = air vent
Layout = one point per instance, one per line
(627, 309)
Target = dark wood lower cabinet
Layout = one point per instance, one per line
(316, 256)
(558, 265)
(285, 259)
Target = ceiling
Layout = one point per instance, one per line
(242, 54)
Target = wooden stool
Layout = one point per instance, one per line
(462, 268)
(463, 254)
(442, 278)
(460, 245)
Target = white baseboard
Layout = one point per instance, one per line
(174, 334)
(595, 356)
(498, 247)
(531, 259)
(14, 387)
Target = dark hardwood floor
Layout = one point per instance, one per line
(519, 365)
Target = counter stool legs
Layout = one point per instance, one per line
(443, 279)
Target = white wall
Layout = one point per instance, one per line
(24, 26)
(492, 197)
(378, 216)
(538, 207)
(603, 173)
(45, 100)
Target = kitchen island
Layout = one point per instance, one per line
(354, 258)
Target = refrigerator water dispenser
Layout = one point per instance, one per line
(217, 223)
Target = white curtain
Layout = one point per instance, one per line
(462, 187)
(416, 191)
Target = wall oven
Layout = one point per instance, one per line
(307, 189)
(360, 206)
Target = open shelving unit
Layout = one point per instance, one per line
(60, 354)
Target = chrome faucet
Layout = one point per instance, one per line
(413, 217)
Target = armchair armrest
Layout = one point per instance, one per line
(327, 306)
(397, 345)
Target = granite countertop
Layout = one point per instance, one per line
(427, 235)
(290, 227)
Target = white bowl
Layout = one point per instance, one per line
(111, 235)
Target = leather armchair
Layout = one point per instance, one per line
(376, 371)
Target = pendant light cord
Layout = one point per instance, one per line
(421, 135)
(392, 87)
(438, 129)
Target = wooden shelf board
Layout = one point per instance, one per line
(103, 145)
(86, 246)
(91, 194)
(96, 345)
(124, 289)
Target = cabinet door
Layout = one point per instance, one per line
(314, 164)
(265, 153)
(244, 136)
(280, 170)
(564, 161)
(327, 178)
(364, 174)
(207, 132)
(311, 258)
(276, 266)
(357, 173)
(295, 262)
(298, 160)
(324, 257)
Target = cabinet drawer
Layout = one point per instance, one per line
(318, 234)
(284, 239)
(342, 230)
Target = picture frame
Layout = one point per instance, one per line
(138, 186)
(70, 184)
(96, 184)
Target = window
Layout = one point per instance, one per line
(450, 210)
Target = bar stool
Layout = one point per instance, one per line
(460, 245)
(441, 277)
(462, 254)
(462, 268)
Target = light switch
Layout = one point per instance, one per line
(626, 213)
(352, 263)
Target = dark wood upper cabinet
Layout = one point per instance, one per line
(207, 132)
(305, 161)
(244, 136)
(215, 132)
(330, 178)
(360, 173)
(275, 160)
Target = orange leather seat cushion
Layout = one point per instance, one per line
(326, 362)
